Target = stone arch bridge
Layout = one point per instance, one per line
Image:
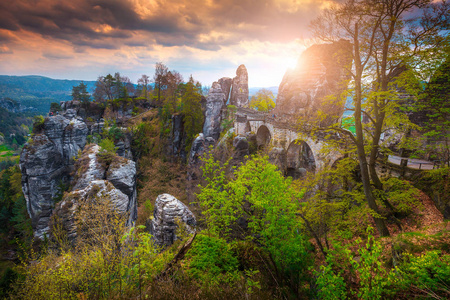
(300, 152)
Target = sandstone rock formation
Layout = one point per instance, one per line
(239, 89)
(215, 102)
(95, 183)
(241, 149)
(235, 90)
(46, 163)
(178, 138)
(163, 225)
(320, 71)
(199, 147)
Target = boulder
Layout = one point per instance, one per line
(163, 226)
(239, 89)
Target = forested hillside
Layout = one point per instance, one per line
(38, 91)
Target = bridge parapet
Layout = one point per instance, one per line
(280, 133)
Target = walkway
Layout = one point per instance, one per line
(413, 163)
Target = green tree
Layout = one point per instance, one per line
(80, 93)
(55, 107)
(383, 44)
(192, 111)
(436, 104)
(263, 100)
(261, 195)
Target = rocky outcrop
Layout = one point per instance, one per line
(321, 71)
(235, 90)
(277, 157)
(199, 147)
(178, 137)
(46, 162)
(241, 150)
(95, 182)
(215, 102)
(163, 226)
(239, 89)
(225, 84)
(14, 107)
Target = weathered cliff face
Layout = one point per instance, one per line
(235, 90)
(46, 163)
(199, 147)
(213, 116)
(163, 226)
(320, 72)
(239, 89)
(114, 184)
(178, 138)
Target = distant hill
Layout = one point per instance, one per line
(38, 91)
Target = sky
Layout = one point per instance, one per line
(83, 39)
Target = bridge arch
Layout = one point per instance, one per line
(263, 136)
(299, 159)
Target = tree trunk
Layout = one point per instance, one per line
(380, 223)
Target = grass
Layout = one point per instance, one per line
(6, 151)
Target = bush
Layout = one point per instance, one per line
(107, 152)
(38, 124)
(212, 261)
(429, 274)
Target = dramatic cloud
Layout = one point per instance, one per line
(202, 37)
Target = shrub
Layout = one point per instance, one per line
(38, 124)
(107, 152)
(212, 261)
(428, 273)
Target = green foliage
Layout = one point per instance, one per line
(330, 285)
(402, 195)
(146, 139)
(212, 261)
(374, 280)
(429, 273)
(192, 112)
(55, 107)
(117, 265)
(13, 214)
(263, 100)
(38, 124)
(107, 151)
(228, 121)
(107, 145)
(435, 103)
(80, 93)
(115, 133)
(259, 193)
